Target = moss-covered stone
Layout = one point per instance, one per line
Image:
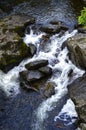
(77, 49)
(12, 47)
(16, 23)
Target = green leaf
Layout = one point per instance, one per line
(82, 17)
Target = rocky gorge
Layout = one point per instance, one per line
(35, 86)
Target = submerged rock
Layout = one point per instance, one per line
(36, 64)
(12, 47)
(77, 91)
(3, 99)
(54, 27)
(77, 49)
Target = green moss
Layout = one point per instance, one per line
(24, 50)
(17, 37)
(19, 30)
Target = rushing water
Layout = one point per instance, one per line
(58, 61)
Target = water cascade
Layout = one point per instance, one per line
(58, 61)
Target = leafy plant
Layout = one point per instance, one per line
(82, 17)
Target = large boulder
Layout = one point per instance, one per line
(77, 49)
(35, 75)
(35, 72)
(77, 91)
(32, 76)
(12, 47)
(15, 23)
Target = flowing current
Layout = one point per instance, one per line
(58, 61)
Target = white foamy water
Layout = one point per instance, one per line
(32, 38)
(68, 113)
(58, 61)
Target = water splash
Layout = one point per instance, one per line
(68, 113)
(10, 81)
(64, 65)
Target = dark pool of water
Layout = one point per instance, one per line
(46, 10)
(18, 113)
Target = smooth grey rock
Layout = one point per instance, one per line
(36, 64)
(46, 70)
(34, 76)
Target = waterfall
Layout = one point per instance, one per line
(58, 61)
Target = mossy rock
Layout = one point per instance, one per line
(16, 23)
(77, 50)
(12, 48)
(12, 51)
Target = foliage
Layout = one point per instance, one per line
(82, 17)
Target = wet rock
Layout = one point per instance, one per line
(62, 25)
(46, 70)
(83, 126)
(34, 76)
(48, 28)
(49, 90)
(70, 72)
(77, 91)
(54, 27)
(45, 44)
(77, 49)
(12, 50)
(36, 64)
(16, 23)
(12, 47)
(32, 48)
(31, 79)
(82, 30)
(3, 99)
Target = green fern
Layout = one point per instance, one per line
(82, 17)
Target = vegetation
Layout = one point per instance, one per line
(82, 17)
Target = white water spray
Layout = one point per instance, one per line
(9, 82)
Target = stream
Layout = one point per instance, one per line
(28, 110)
(59, 62)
